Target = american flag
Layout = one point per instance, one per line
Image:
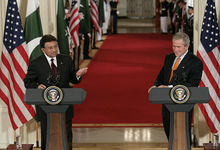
(209, 53)
(95, 14)
(14, 67)
(74, 23)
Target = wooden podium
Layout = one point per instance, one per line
(56, 129)
(24, 147)
(209, 146)
(179, 131)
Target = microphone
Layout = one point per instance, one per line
(181, 79)
(57, 79)
(53, 81)
(175, 77)
(50, 79)
(184, 76)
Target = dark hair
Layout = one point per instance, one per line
(190, 7)
(46, 38)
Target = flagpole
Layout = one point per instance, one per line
(111, 21)
(37, 136)
(76, 58)
(14, 137)
(90, 42)
(82, 44)
(93, 39)
(210, 137)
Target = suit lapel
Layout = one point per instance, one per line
(169, 66)
(46, 64)
(184, 61)
(59, 64)
(170, 63)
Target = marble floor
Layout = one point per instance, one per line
(119, 137)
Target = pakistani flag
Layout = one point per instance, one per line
(85, 26)
(33, 30)
(101, 13)
(62, 32)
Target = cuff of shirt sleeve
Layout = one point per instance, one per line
(78, 77)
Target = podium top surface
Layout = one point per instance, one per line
(162, 95)
(70, 96)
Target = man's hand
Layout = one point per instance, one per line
(41, 86)
(81, 72)
(163, 86)
(151, 88)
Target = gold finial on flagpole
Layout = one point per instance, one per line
(14, 137)
(210, 137)
(37, 136)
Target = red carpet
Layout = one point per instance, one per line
(118, 79)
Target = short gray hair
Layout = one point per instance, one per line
(183, 36)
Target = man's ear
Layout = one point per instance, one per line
(187, 46)
(42, 49)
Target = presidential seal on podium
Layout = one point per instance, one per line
(179, 94)
(53, 95)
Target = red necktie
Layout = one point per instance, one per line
(54, 68)
(175, 66)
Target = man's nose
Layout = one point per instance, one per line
(54, 48)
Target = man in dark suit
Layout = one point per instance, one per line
(52, 69)
(189, 30)
(172, 9)
(163, 9)
(114, 11)
(188, 73)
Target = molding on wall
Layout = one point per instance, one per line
(3, 109)
(141, 8)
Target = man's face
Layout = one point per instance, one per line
(50, 49)
(178, 47)
(190, 11)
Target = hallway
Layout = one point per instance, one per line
(121, 138)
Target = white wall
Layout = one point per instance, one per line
(141, 8)
(122, 7)
(6, 131)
